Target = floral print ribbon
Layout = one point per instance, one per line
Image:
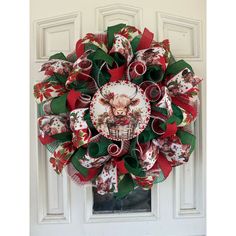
(107, 181)
(50, 126)
(56, 66)
(48, 89)
(61, 156)
(184, 83)
(152, 56)
(174, 151)
(122, 45)
(81, 133)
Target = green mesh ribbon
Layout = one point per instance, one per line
(97, 149)
(147, 134)
(51, 147)
(187, 138)
(59, 56)
(154, 73)
(75, 161)
(125, 186)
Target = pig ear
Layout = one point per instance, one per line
(104, 101)
(135, 102)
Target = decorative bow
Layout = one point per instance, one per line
(101, 156)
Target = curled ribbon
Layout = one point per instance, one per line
(136, 69)
(81, 70)
(152, 90)
(115, 151)
(83, 64)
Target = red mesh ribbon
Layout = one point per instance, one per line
(116, 73)
(77, 100)
(146, 40)
(79, 178)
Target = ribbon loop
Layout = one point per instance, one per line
(52, 125)
(136, 69)
(122, 46)
(81, 134)
(58, 66)
(116, 151)
(146, 40)
(61, 156)
(107, 181)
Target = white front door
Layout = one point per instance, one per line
(175, 207)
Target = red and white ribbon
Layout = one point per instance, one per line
(136, 69)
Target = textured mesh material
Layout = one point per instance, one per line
(53, 146)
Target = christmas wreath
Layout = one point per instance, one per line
(116, 111)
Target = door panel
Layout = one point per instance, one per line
(174, 207)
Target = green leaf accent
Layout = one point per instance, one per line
(177, 111)
(176, 117)
(58, 105)
(132, 162)
(103, 77)
(120, 60)
(92, 46)
(59, 56)
(125, 186)
(52, 79)
(138, 80)
(40, 109)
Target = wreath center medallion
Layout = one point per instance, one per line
(120, 110)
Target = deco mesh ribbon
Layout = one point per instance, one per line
(65, 126)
